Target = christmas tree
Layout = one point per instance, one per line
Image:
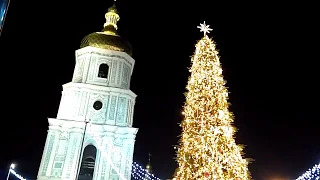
(207, 147)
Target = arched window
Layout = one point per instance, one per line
(88, 163)
(103, 71)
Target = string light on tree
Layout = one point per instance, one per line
(311, 174)
(207, 148)
(139, 173)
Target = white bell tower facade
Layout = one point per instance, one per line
(92, 137)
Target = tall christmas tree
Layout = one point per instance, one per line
(207, 147)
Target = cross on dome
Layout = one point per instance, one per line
(204, 28)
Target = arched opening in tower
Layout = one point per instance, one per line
(88, 163)
(103, 71)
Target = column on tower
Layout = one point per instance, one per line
(61, 149)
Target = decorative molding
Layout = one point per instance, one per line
(60, 124)
(83, 103)
(92, 68)
(95, 88)
(125, 76)
(129, 154)
(97, 116)
(119, 72)
(114, 71)
(78, 74)
(86, 69)
(64, 135)
(72, 155)
(103, 169)
(76, 102)
(112, 107)
(48, 153)
(131, 108)
(106, 53)
(106, 104)
(121, 111)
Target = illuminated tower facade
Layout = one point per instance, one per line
(92, 137)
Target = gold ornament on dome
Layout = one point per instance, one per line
(108, 38)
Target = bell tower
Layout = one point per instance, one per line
(92, 137)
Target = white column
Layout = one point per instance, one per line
(73, 154)
(46, 155)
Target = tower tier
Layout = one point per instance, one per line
(97, 104)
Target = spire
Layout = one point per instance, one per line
(148, 167)
(112, 17)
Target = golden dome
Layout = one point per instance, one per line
(108, 38)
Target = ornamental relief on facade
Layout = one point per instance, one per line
(125, 76)
(83, 103)
(113, 71)
(117, 93)
(113, 56)
(72, 155)
(96, 112)
(49, 148)
(129, 154)
(119, 72)
(112, 107)
(64, 135)
(79, 70)
(118, 141)
(103, 60)
(121, 111)
(92, 68)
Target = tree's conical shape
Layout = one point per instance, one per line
(207, 147)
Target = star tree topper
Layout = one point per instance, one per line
(204, 28)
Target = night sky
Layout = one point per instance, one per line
(268, 53)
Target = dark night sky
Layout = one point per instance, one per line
(268, 52)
